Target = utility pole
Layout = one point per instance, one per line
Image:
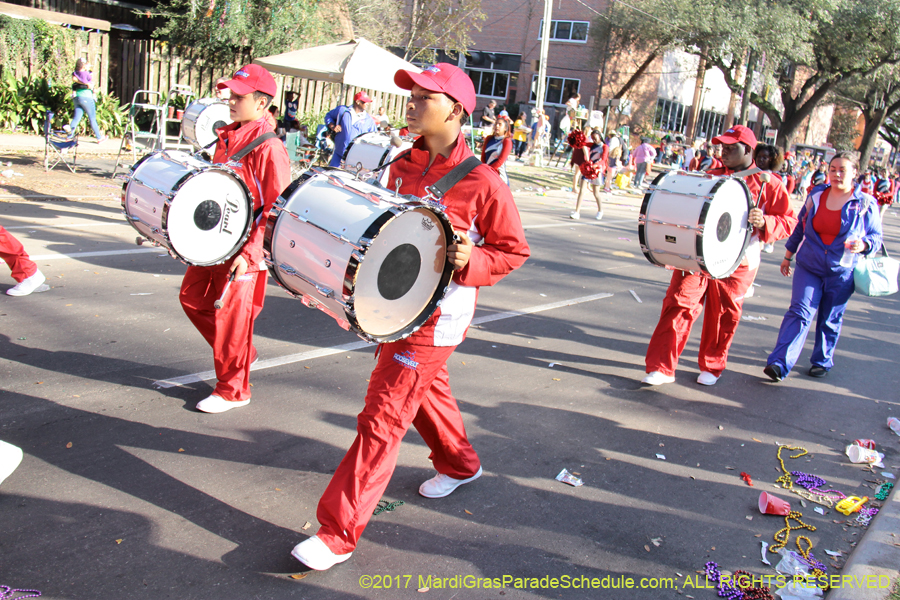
(545, 48)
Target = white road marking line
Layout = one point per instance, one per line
(322, 352)
(67, 225)
(99, 253)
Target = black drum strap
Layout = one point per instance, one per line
(443, 185)
(252, 146)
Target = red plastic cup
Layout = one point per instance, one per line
(773, 505)
(870, 444)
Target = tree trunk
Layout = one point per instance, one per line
(874, 119)
(748, 87)
(637, 74)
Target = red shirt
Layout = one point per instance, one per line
(266, 171)
(827, 222)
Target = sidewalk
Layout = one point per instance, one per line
(10, 142)
(876, 559)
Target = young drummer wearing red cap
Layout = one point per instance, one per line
(690, 293)
(348, 123)
(410, 384)
(266, 171)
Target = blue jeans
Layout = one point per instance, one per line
(85, 105)
(823, 297)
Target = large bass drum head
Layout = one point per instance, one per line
(725, 232)
(208, 218)
(397, 286)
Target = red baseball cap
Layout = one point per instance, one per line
(251, 78)
(442, 77)
(737, 133)
(361, 96)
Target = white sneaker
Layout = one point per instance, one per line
(707, 378)
(316, 555)
(768, 248)
(35, 283)
(575, 216)
(749, 293)
(599, 215)
(657, 378)
(215, 404)
(443, 485)
(10, 457)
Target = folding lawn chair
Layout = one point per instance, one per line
(58, 144)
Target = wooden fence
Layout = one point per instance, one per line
(155, 66)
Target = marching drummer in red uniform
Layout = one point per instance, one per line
(266, 171)
(410, 384)
(690, 293)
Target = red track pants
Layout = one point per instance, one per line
(228, 330)
(685, 300)
(12, 252)
(409, 386)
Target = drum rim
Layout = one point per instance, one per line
(747, 235)
(701, 221)
(272, 221)
(384, 154)
(164, 217)
(356, 260)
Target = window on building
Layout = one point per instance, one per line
(709, 124)
(491, 84)
(559, 89)
(492, 73)
(566, 31)
(670, 116)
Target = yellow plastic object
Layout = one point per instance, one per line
(623, 180)
(851, 504)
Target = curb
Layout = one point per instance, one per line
(876, 558)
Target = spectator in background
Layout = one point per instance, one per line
(488, 118)
(222, 93)
(615, 160)
(272, 117)
(347, 122)
(643, 159)
(291, 105)
(520, 135)
(83, 96)
(496, 148)
(381, 119)
(689, 153)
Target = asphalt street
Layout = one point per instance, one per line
(126, 491)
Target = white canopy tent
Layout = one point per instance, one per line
(356, 63)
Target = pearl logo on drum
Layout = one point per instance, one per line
(427, 224)
(230, 207)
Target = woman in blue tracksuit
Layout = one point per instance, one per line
(836, 219)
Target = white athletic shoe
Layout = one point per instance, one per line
(35, 283)
(768, 248)
(215, 404)
(599, 215)
(575, 216)
(313, 553)
(707, 378)
(10, 457)
(657, 378)
(443, 485)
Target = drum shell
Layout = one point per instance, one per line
(372, 150)
(167, 182)
(198, 125)
(683, 217)
(307, 258)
